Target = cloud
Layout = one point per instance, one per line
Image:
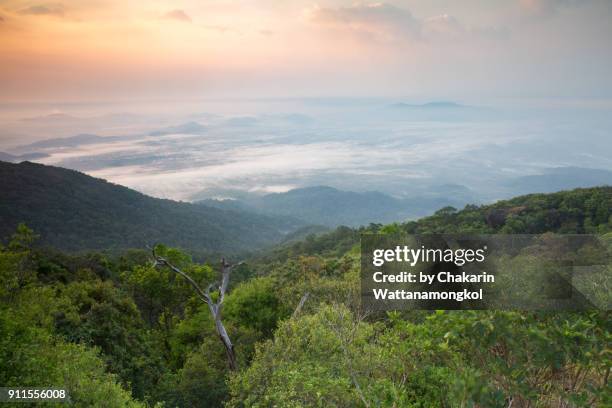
(56, 10)
(378, 13)
(178, 15)
(442, 24)
(380, 19)
(544, 8)
(387, 22)
(2, 19)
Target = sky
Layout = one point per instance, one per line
(189, 99)
(105, 50)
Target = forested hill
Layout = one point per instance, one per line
(324, 205)
(579, 211)
(116, 330)
(72, 211)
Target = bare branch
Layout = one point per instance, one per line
(226, 270)
(159, 261)
(300, 305)
(344, 345)
(214, 307)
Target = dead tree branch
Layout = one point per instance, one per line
(214, 307)
(300, 305)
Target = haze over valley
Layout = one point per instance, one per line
(433, 153)
(427, 103)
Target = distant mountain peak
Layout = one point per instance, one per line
(70, 141)
(11, 158)
(329, 206)
(311, 189)
(191, 127)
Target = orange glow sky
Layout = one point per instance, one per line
(110, 49)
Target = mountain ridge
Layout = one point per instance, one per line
(331, 207)
(73, 211)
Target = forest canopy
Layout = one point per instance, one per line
(116, 330)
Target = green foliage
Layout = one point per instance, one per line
(334, 243)
(578, 211)
(72, 211)
(32, 357)
(15, 266)
(303, 365)
(96, 313)
(159, 293)
(201, 382)
(118, 332)
(255, 304)
(486, 358)
(31, 353)
(449, 359)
